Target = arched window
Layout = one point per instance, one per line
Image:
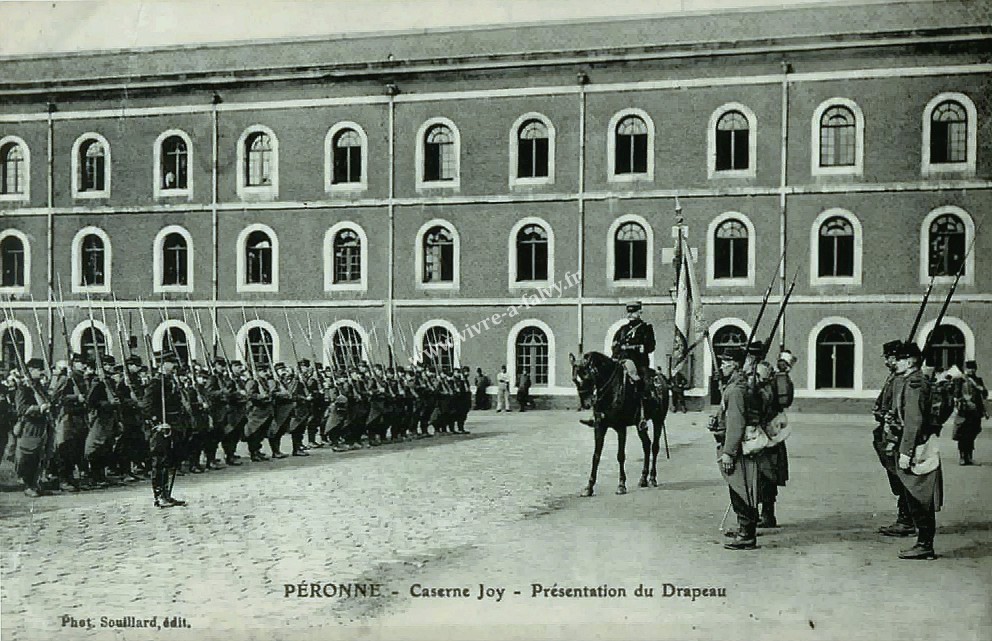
(175, 260)
(258, 259)
(93, 261)
(838, 137)
(13, 339)
(732, 145)
(347, 152)
(947, 347)
(949, 133)
(347, 257)
(347, 349)
(727, 337)
(630, 252)
(437, 349)
(439, 255)
(532, 355)
(835, 352)
(175, 167)
(176, 340)
(259, 152)
(532, 150)
(259, 346)
(12, 261)
(92, 163)
(532, 253)
(730, 250)
(836, 248)
(13, 169)
(440, 160)
(92, 339)
(947, 244)
(631, 151)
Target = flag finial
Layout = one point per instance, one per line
(678, 211)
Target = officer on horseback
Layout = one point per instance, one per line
(633, 345)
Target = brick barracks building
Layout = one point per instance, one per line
(414, 184)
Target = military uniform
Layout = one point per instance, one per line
(883, 441)
(34, 423)
(163, 406)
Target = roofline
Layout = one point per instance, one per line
(370, 35)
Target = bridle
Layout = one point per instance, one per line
(588, 365)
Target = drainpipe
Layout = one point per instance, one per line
(51, 235)
(391, 91)
(214, 221)
(783, 209)
(583, 80)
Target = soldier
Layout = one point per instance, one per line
(633, 345)
(33, 426)
(739, 471)
(917, 460)
(261, 410)
(163, 405)
(883, 440)
(69, 393)
(282, 409)
(132, 449)
(971, 395)
(302, 389)
(103, 411)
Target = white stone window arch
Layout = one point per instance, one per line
(859, 344)
(77, 167)
(455, 181)
(968, 278)
(258, 192)
(515, 131)
(752, 142)
(608, 340)
(77, 261)
(648, 280)
(969, 164)
(160, 342)
(242, 264)
(158, 260)
(363, 182)
(23, 193)
(26, 246)
(76, 337)
(705, 345)
(418, 276)
(711, 280)
(969, 335)
(511, 350)
(814, 249)
(25, 335)
(329, 263)
(327, 341)
(160, 190)
(855, 169)
(242, 338)
(456, 339)
(512, 251)
(611, 146)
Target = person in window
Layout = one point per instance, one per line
(971, 395)
(523, 392)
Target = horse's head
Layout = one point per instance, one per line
(588, 373)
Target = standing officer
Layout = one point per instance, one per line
(916, 453)
(739, 471)
(884, 412)
(971, 410)
(162, 403)
(633, 345)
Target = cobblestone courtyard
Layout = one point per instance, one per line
(501, 507)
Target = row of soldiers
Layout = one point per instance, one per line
(82, 426)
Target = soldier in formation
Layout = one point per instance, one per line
(79, 426)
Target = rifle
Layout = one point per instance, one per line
(778, 318)
(100, 374)
(764, 302)
(269, 357)
(919, 312)
(65, 333)
(41, 335)
(147, 339)
(950, 294)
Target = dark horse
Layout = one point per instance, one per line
(603, 385)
